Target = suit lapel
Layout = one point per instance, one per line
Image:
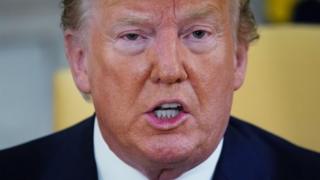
(75, 158)
(241, 157)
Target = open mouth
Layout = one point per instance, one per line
(167, 111)
(168, 115)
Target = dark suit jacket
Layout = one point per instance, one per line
(248, 153)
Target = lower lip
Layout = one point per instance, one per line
(167, 124)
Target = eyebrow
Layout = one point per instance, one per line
(134, 20)
(210, 12)
(204, 12)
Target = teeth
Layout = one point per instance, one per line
(166, 114)
(170, 105)
(168, 110)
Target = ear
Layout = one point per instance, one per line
(240, 64)
(77, 59)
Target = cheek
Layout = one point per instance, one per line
(212, 77)
(115, 74)
(117, 82)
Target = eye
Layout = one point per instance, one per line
(132, 37)
(199, 39)
(199, 34)
(132, 42)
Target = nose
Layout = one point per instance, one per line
(167, 60)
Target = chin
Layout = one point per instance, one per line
(169, 149)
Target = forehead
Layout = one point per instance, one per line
(162, 8)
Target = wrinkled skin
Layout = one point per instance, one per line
(139, 52)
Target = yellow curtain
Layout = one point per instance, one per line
(279, 10)
(68, 105)
(281, 92)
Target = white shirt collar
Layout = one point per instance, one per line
(109, 166)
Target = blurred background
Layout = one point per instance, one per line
(31, 53)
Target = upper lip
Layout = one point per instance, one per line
(159, 103)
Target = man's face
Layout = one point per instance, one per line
(161, 75)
